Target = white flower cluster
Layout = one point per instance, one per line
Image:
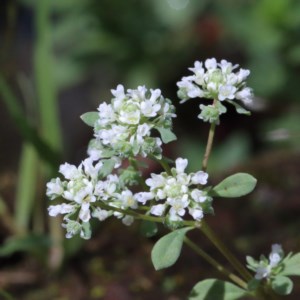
(217, 81)
(177, 193)
(125, 125)
(265, 267)
(83, 189)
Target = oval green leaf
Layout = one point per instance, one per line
(167, 135)
(213, 289)
(282, 285)
(291, 266)
(236, 185)
(148, 228)
(90, 118)
(167, 249)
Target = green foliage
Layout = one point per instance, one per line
(5, 295)
(86, 230)
(108, 166)
(291, 265)
(213, 289)
(253, 284)
(236, 185)
(33, 243)
(129, 176)
(167, 135)
(148, 228)
(282, 285)
(90, 118)
(167, 249)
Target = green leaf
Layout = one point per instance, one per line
(90, 118)
(108, 166)
(29, 243)
(167, 249)
(251, 261)
(148, 228)
(253, 284)
(86, 230)
(291, 265)
(282, 285)
(5, 295)
(213, 289)
(28, 132)
(236, 185)
(167, 135)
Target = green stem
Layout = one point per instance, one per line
(225, 251)
(215, 264)
(162, 162)
(208, 146)
(141, 216)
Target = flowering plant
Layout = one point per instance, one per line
(137, 123)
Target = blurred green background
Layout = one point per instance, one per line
(60, 58)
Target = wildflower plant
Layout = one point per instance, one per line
(136, 123)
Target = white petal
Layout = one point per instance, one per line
(200, 178)
(181, 164)
(158, 210)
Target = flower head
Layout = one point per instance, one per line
(124, 126)
(179, 192)
(218, 81)
(82, 188)
(265, 268)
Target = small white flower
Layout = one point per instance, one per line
(142, 131)
(262, 272)
(127, 199)
(200, 178)
(149, 109)
(84, 213)
(90, 169)
(198, 196)
(106, 114)
(54, 188)
(130, 117)
(119, 92)
(100, 214)
(226, 66)
(242, 75)
(196, 213)
(143, 197)
(275, 255)
(274, 259)
(181, 164)
(69, 171)
(178, 205)
(244, 95)
(158, 209)
(211, 63)
(226, 92)
(55, 210)
(155, 181)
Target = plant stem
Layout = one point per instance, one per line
(215, 264)
(225, 251)
(163, 163)
(142, 216)
(208, 146)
